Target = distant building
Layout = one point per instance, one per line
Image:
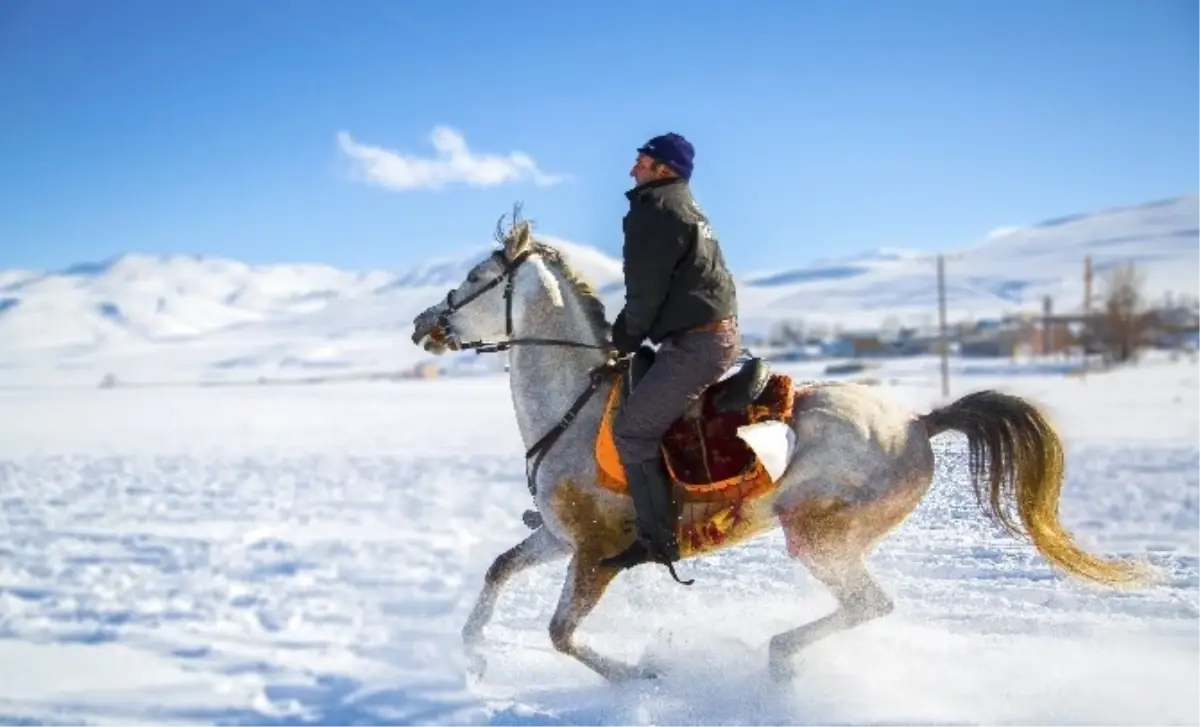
(985, 347)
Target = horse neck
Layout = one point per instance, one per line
(546, 380)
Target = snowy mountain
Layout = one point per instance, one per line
(1005, 271)
(180, 316)
(135, 299)
(143, 298)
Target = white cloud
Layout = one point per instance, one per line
(453, 163)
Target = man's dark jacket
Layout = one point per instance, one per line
(675, 275)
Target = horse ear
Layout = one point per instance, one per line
(518, 240)
(519, 236)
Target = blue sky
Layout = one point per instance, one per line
(277, 131)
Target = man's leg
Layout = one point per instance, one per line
(683, 368)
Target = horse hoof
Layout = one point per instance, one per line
(782, 670)
(476, 667)
(640, 672)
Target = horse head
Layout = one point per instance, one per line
(480, 308)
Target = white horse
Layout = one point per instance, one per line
(853, 463)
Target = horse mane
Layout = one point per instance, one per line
(593, 306)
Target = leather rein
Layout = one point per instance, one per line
(596, 376)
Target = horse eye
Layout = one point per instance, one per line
(472, 277)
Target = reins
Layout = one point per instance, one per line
(506, 275)
(596, 376)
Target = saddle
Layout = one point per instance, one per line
(702, 451)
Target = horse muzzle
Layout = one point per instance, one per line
(433, 337)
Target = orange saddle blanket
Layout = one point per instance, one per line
(703, 453)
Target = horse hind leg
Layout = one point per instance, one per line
(832, 539)
(537, 548)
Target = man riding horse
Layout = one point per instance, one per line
(680, 295)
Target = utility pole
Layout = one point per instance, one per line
(1087, 327)
(1087, 286)
(945, 339)
(1047, 311)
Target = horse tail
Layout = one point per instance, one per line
(1016, 458)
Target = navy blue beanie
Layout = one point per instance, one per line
(674, 151)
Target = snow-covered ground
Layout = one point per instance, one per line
(307, 555)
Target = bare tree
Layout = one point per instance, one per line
(1123, 322)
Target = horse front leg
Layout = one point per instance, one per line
(538, 548)
(585, 584)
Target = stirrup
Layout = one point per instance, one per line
(671, 569)
(637, 554)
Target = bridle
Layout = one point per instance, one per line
(506, 276)
(596, 376)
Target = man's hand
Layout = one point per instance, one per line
(624, 343)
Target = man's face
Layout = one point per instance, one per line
(645, 170)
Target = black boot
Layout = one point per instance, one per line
(650, 489)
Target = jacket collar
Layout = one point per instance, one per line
(647, 188)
